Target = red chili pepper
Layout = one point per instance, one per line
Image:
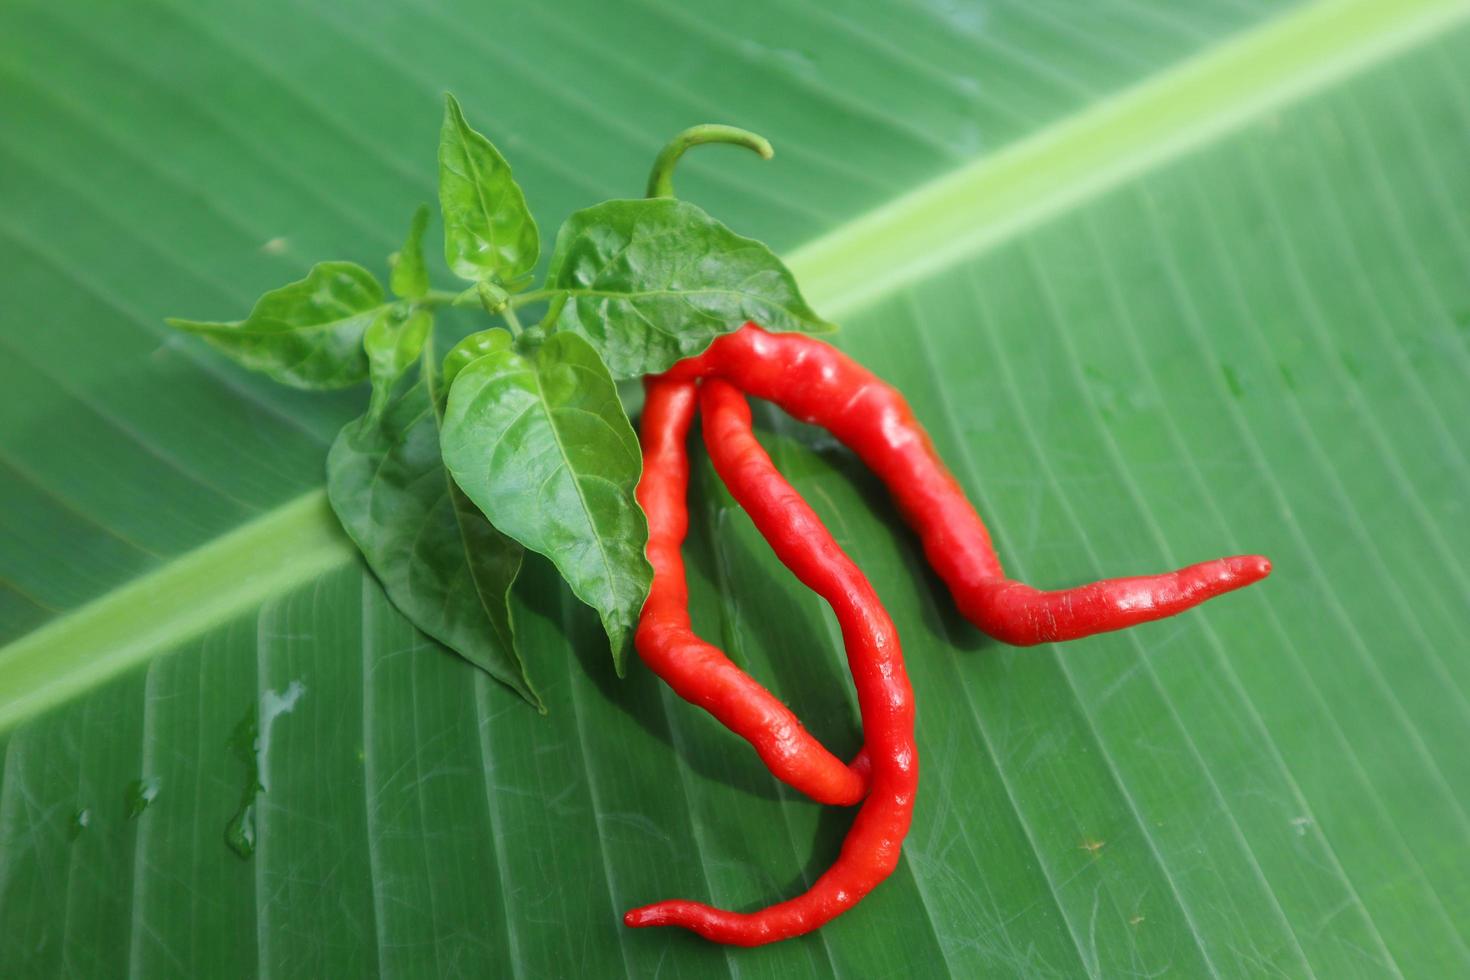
(803, 543)
(697, 671)
(818, 383)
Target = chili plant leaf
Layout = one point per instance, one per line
(649, 282)
(542, 445)
(393, 342)
(489, 233)
(307, 334)
(471, 349)
(439, 560)
(409, 277)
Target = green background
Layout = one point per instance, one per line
(1163, 281)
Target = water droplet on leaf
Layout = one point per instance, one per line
(140, 795)
(240, 832)
(250, 742)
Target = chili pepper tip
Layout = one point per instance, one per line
(1252, 568)
(646, 916)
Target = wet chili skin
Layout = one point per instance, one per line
(698, 671)
(802, 542)
(817, 383)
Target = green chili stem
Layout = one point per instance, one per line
(511, 320)
(436, 298)
(534, 296)
(661, 178)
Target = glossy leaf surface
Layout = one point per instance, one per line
(307, 334)
(543, 447)
(649, 282)
(489, 233)
(410, 277)
(1163, 280)
(469, 349)
(439, 560)
(393, 342)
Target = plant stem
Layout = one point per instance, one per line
(534, 296)
(661, 179)
(511, 320)
(436, 298)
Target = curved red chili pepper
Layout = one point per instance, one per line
(697, 671)
(803, 543)
(818, 383)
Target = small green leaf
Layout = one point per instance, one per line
(307, 334)
(439, 560)
(650, 282)
(488, 231)
(393, 342)
(472, 348)
(543, 447)
(409, 277)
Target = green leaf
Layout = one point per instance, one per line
(439, 560)
(1161, 280)
(543, 447)
(393, 342)
(307, 334)
(650, 282)
(410, 277)
(470, 349)
(489, 233)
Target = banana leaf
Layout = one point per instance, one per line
(1163, 281)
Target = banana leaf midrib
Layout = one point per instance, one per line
(954, 216)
